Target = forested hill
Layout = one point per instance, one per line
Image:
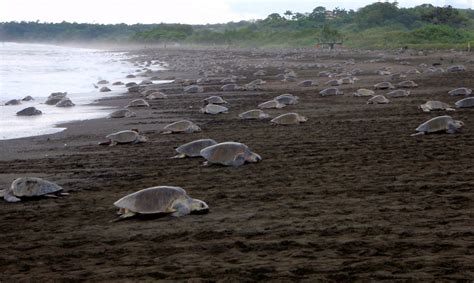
(379, 25)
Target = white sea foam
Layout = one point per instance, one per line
(38, 70)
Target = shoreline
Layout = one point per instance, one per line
(346, 196)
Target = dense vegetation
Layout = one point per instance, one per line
(379, 25)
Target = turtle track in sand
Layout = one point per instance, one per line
(346, 195)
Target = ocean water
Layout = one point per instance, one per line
(39, 70)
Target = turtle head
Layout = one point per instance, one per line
(198, 206)
(196, 128)
(253, 158)
(458, 123)
(141, 138)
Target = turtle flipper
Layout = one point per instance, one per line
(179, 156)
(181, 209)
(10, 198)
(124, 216)
(417, 134)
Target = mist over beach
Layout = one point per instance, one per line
(236, 140)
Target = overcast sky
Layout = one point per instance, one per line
(176, 11)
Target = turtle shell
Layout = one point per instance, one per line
(254, 114)
(152, 200)
(32, 186)
(123, 136)
(193, 149)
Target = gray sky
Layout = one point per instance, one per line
(176, 11)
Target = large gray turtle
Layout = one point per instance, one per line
(460, 91)
(398, 93)
(434, 105)
(407, 84)
(138, 103)
(27, 187)
(308, 83)
(122, 113)
(194, 89)
(439, 124)
(230, 87)
(289, 119)
(55, 97)
(271, 104)
(65, 102)
(334, 83)
(127, 136)
(378, 99)
(13, 102)
(363, 92)
(287, 99)
(214, 100)
(214, 109)
(156, 95)
(159, 200)
(229, 154)
(384, 85)
(193, 149)
(183, 126)
(331, 91)
(29, 111)
(465, 103)
(254, 114)
(456, 68)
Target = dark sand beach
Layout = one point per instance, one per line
(348, 195)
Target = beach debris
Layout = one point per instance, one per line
(289, 119)
(439, 124)
(378, 99)
(256, 114)
(407, 84)
(465, 103)
(159, 200)
(194, 89)
(29, 111)
(398, 93)
(460, 91)
(214, 100)
(123, 137)
(28, 187)
(214, 109)
(55, 97)
(193, 149)
(434, 105)
(384, 85)
(183, 126)
(65, 102)
(363, 92)
(13, 102)
(229, 154)
(287, 99)
(331, 91)
(138, 103)
(122, 113)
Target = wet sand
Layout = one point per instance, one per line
(348, 195)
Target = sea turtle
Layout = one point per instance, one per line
(159, 200)
(307, 83)
(102, 82)
(122, 113)
(384, 85)
(138, 103)
(230, 87)
(194, 89)
(214, 100)
(130, 76)
(127, 136)
(407, 84)
(214, 109)
(465, 103)
(29, 111)
(55, 97)
(193, 149)
(346, 80)
(65, 102)
(334, 83)
(413, 72)
(439, 124)
(271, 104)
(289, 119)
(260, 73)
(287, 99)
(456, 68)
(13, 102)
(434, 105)
(27, 98)
(229, 154)
(183, 126)
(331, 91)
(460, 91)
(156, 95)
(118, 83)
(130, 84)
(27, 187)
(363, 92)
(398, 93)
(397, 76)
(378, 99)
(254, 114)
(104, 89)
